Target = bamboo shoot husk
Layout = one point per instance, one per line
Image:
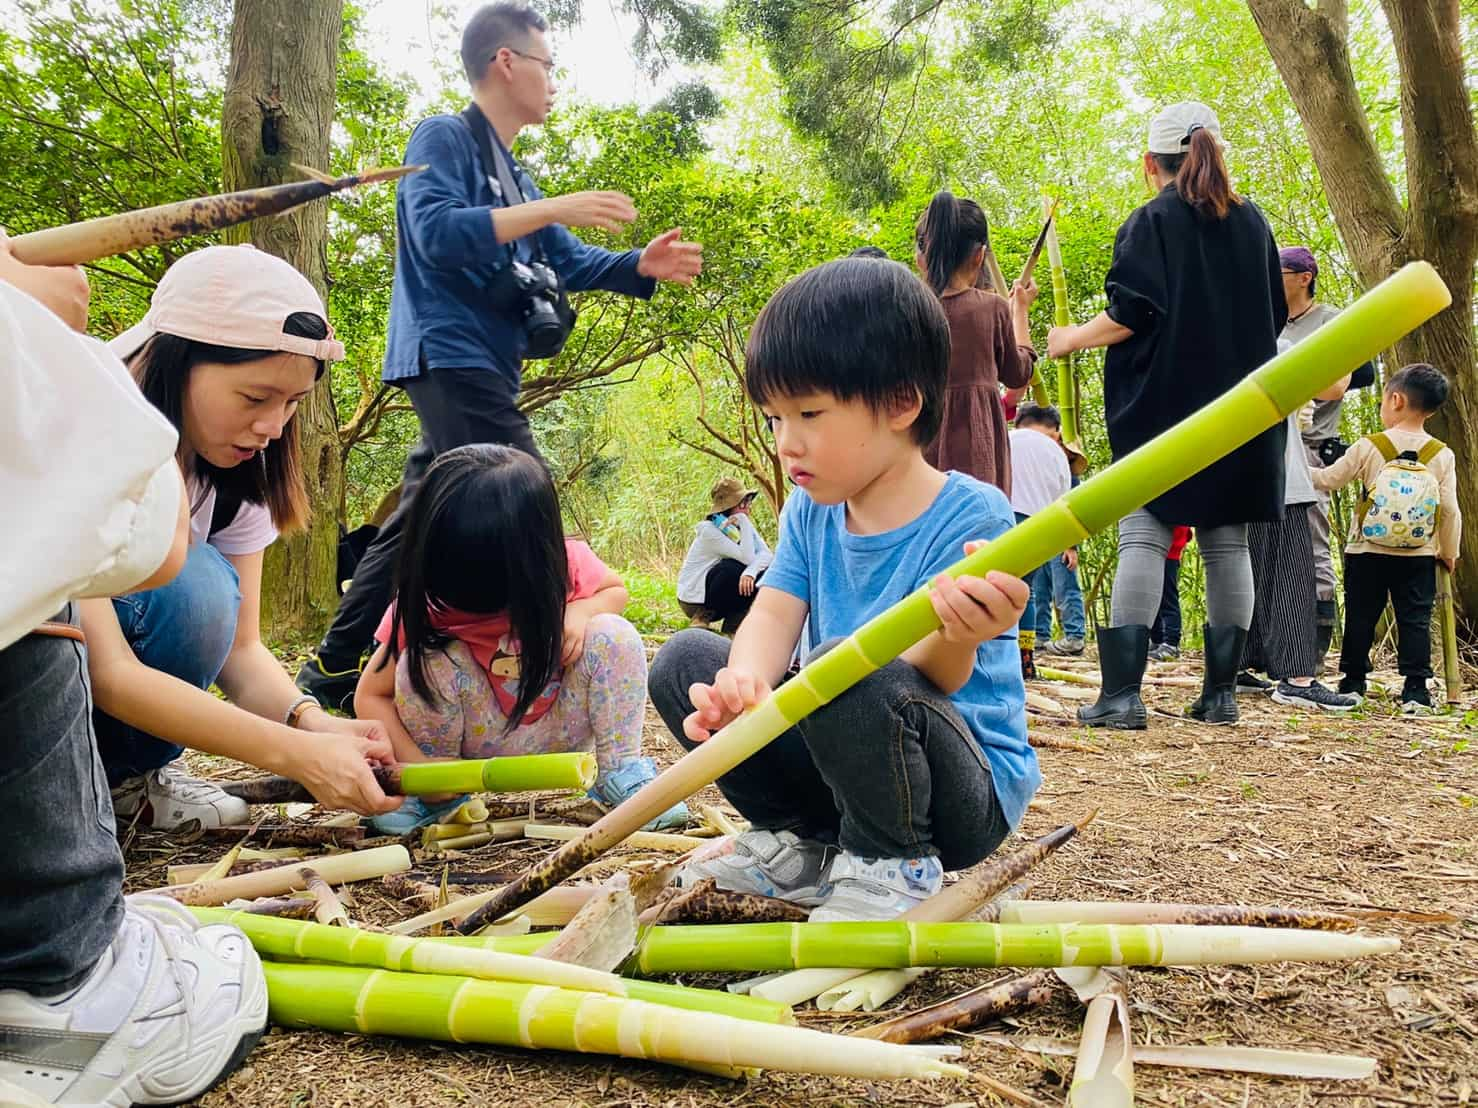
(601, 936)
(1104, 1074)
(954, 902)
(968, 1010)
(869, 992)
(894, 944)
(1235, 1059)
(554, 908)
(721, 821)
(360, 865)
(80, 243)
(328, 909)
(285, 907)
(1113, 911)
(460, 1009)
(472, 810)
(638, 840)
(291, 834)
(1264, 398)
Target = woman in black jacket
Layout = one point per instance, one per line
(1195, 303)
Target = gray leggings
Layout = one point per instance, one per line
(1143, 543)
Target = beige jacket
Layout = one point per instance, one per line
(1364, 461)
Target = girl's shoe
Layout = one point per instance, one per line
(413, 814)
(625, 781)
(877, 888)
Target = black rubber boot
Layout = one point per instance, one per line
(1121, 658)
(1218, 700)
(1324, 619)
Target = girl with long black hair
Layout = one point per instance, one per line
(505, 637)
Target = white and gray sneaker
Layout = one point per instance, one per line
(171, 1008)
(877, 889)
(770, 863)
(169, 799)
(1314, 695)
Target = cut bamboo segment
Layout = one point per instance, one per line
(954, 902)
(1112, 911)
(1104, 1074)
(80, 243)
(474, 810)
(498, 831)
(968, 1010)
(361, 865)
(870, 991)
(638, 840)
(601, 936)
(757, 947)
(464, 1010)
(522, 773)
(1264, 398)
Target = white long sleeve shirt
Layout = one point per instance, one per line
(710, 545)
(88, 482)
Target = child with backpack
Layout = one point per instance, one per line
(1408, 520)
(505, 637)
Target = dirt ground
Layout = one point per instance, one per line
(1316, 811)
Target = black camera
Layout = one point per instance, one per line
(548, 317)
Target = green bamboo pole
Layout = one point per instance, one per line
(1447, 621)
(766, 947)
(1067, 385)
(504, 1013)
(1372, 323)
(523, 773)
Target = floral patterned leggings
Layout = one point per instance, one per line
(599, 709)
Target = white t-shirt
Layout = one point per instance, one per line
(1039, 471)
(87, 472)
(250, 531)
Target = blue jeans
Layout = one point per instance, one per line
(1054, 582)
(184, 629)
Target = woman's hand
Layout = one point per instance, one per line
(1061, 341)
(746, 585)
(62, 288)
(669, 258)
(334, 764)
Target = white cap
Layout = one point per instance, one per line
(232, 296)
(1170, 131)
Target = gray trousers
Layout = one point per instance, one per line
(61, 872)
(889, 769)
(1319, 531)
(1143, 543)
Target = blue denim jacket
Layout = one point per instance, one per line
(446, 258)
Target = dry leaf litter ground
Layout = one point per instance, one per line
(1289, 808)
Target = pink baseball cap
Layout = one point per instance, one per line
(232, 296)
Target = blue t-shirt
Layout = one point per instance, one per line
(847, 579)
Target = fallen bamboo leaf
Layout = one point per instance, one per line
(601, 936)
(966, 1011)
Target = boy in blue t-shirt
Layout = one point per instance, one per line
(923, 765)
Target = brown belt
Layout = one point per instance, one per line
(60, 631)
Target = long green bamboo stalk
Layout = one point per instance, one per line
(1372, 323)
(466, 1010)
(1447, 620)
(520, 773)
(1067, 384)
(78, 243)
(761, 947)
(954, 902)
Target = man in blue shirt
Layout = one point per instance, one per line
(455, 342)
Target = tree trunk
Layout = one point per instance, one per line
(279, 105)
(1440, 222)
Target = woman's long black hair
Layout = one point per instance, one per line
(484, 536)
(948, 233)
(275, 476)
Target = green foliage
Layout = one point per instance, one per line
(652, 608)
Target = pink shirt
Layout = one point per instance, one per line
(490, 639)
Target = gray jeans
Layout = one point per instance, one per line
(1324, 582)
(61, 873)
(1143, 543)
(889, 769)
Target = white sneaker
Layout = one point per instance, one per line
(767, 863)
(171, 1008)
(881, 889)
(169, 799)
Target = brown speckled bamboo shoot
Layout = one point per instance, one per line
(705, 902)
(966, 1011)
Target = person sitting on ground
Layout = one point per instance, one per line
(505, 637)
(923, 765)
(104, 999)
(1165, 631)
(1408, 521)
(233, 341)
(726, 560)
(1040, 475)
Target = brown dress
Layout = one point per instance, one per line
(983, 356)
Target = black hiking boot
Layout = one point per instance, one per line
(1121, 658)
(1218, 700)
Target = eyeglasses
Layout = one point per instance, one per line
(547, 63)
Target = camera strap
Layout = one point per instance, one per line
(496, 168)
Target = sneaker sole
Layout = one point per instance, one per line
(1296, 702)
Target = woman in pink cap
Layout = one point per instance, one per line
(233, 342)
